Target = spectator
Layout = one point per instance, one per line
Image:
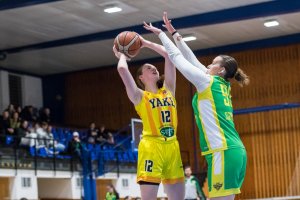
(10, 109)
(111, 194)
(42, 134)
(105, 136)
(92, 134)
(21, 133)
(5, 123)
(28, 114)
(45, 115)
(128, 198)
(75, 146)
(19, 110)
(30, 135)
(52, 143)
(14, 122)
(192, 187)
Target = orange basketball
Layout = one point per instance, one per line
(128, 43)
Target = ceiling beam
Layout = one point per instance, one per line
(222, 16)
(226, 49)
(12, 4)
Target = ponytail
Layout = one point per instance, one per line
(241, 77)
(232, 70)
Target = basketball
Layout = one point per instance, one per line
(129, 43)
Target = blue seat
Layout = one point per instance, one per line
(9, 139)
(126, 157)
(105, 156)
(131, 156)
(111, 154)
(43, 152)
(32, 151)
(120, 157)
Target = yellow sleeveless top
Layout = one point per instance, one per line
(159, 114)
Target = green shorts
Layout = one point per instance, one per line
(226, 171)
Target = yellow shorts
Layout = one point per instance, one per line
(159, 161)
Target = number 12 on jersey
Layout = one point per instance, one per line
(165, 115)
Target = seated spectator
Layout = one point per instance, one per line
(92, 134)
(28, 114)
(42, 134)
(30, 136)
(75, 146)
(5, 123)
(14, 122)
(45, 115)
(19, 110)
(21, 133)
(10, 109)
(52, 143)
(105, 136)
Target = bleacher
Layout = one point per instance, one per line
(105, 157)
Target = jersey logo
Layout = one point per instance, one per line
(156, 102)
(167, 131)
(218, 186)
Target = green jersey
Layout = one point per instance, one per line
(214, 117)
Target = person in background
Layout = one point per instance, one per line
(92, 134)
(75, 146)
(45, 115)
(22, 132)
(54, 147)
(42, 134)
(104, 136)
(128, 198)
(14, 122)
(28, 114)
(10, 109)
(5, 124)
(19, 110)
(193, 190)
(111, 194)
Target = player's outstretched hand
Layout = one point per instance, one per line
(152, 28)
(167, 23)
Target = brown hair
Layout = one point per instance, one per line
(232, 70)
(139, 72)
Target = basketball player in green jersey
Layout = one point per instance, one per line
(219, 141)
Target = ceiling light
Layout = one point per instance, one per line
(188, 38)
(271, 23)
(112, 9)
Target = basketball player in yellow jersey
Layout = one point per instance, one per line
(159, 157)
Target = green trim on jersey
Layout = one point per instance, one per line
(214, 117)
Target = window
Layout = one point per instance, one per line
(15, 89)
(26, 182)
(125, 183)
(78, 182)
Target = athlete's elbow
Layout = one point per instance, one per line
(175, 56)
(122, 69)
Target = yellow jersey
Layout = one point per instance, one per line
(159, 114)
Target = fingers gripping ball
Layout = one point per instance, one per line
(128, 43)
